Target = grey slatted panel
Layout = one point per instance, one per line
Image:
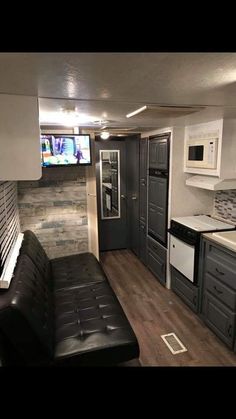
(9, 220)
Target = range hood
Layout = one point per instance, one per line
(211, 183)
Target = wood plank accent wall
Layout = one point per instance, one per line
(55, 209)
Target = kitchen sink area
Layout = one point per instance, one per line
(227, 238)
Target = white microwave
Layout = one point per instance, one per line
(201, 153)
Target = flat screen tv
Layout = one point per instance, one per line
(65, 150)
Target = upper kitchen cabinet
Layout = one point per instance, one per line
(158, 152)
(209, 153)
(20, 157)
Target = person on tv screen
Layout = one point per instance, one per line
(79, 154)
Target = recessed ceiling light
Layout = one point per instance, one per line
(64, 117)
(105, 135)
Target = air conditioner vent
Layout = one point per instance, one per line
(163, 111)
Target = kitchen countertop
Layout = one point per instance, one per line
(226, 239)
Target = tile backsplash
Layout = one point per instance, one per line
(225, 204)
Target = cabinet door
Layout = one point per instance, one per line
(143, 200)
(143, 158)
(157, 207)
(158, 153)
(219, 318)
(143, 181)
(185, 289)
(156, 259)
(143, 242)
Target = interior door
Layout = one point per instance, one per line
(111, 194)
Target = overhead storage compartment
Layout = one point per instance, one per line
(20, 157)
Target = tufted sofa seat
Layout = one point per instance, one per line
(63, 312)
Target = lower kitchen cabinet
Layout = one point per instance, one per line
(143, 242)
(219, 291)
(185, 289)
(156, 259)
(219, 318)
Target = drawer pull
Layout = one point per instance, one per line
(219, 291)
(230, 330)
(219, 272)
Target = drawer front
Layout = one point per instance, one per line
(221, 264)
(156, 248)
(221, 291)
(219, 319)
(184, 289)
(157, 266)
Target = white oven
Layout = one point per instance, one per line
(185, 235)
(201, 153)
(182, 257)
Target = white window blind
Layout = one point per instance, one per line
(9, 221)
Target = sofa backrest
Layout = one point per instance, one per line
(26, 313)
(34, 250)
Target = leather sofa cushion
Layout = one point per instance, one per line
(63, 311)
(76, 270)
(92, 328)
(26, 314)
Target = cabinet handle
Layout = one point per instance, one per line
(219, 291)
(230, 330)
(219, 272)
(173, 245)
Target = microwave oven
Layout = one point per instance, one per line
(201, 153)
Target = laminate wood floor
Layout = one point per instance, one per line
(154, 310)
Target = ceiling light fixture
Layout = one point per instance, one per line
(64, 117)
(105, 135)
(136, 112)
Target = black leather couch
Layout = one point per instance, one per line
(62, 312)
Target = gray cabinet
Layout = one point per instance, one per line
(157, 207)
(219, 318)
(185, 289)
(143, 242)
(156, 259)
(143, 180)
(158, 152)
(219, 291)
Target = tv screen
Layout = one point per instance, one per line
(65, 149)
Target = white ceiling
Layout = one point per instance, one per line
(110, 85)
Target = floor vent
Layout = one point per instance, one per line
(173, 343)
